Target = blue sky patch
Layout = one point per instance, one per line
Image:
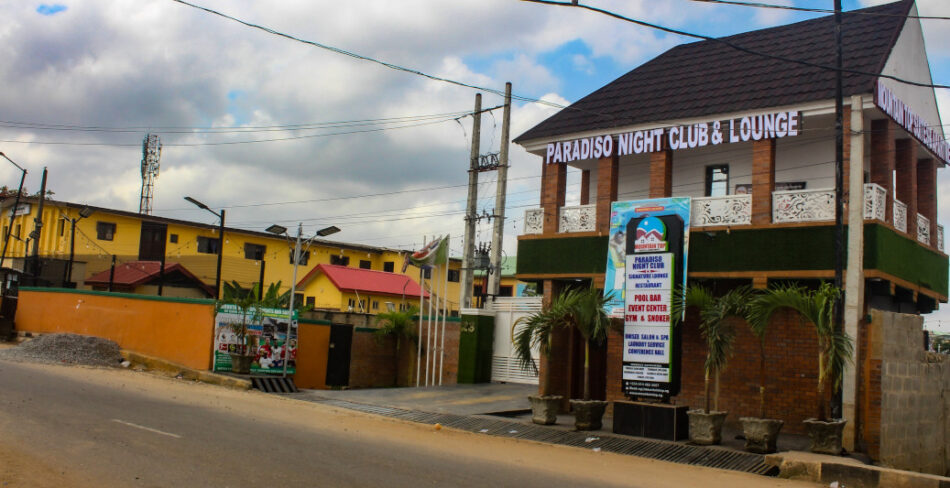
(47, 10)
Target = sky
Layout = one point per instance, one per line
(279, 131)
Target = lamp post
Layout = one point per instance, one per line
(281, 230)
(16, 205)
(83, 213)
(217, 278)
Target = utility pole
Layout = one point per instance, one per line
(839, 197)
(37, 230)
(468, 249)
(498, 233)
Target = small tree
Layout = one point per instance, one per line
(816, 306)
(589, 315)
(535, 330)
(246, 301)
(398, 325)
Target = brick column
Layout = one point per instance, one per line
(553, 184)
(661, 174)
(557, 368)
(927, 194)
(608, 175)
(882, 161)
(905, 155)
(585, 187)
(763, 180)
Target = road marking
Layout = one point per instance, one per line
(137, 426)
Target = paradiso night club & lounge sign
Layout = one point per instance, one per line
(647, 253)
(744, 129)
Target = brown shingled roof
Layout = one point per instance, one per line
(708, 77)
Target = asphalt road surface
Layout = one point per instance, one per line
(73, 426)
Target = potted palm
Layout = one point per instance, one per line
(247, 302)
(589, 315)
(761, 433)
(834, 351)
(397, 324)
(705, 425)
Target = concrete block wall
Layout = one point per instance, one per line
(915, 397)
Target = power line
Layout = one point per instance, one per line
(816, 10)
(730, 44)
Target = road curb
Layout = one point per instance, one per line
(174, 369)
(853, 474)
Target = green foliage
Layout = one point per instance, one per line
(397, 324)
(272, 297)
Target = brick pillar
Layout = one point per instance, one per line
(882, 161)
(661, 174)
(553, 185)
(608, 175)
(763, 180)
(558, 367)
(927, 194)
(905, 155)
(585, 187)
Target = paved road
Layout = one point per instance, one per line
(122, 428)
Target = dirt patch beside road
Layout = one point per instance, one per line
(19, 469)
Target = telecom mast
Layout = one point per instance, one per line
(151, 152)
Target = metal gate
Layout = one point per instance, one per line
(505, 366)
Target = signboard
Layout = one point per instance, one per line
(646, 262)
(267, 337)
(744, 129)
(927, 134)
(21, 209)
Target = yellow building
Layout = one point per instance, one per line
(131, 237)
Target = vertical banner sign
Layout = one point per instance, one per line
(266, 338)
(645, 264)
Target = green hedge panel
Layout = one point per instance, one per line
(564, 255)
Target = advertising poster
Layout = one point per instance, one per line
(646, 263)
(267, 338)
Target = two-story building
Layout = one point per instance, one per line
(751, 139)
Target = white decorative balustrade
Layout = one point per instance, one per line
(923, 229)
(875, 202)
(940, 237)
(803, 205)
(723, 210)
(582, 218)
(534, 221)
(900, 216)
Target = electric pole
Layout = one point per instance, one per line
(498, 233)
(468, 250)
(37, 230)
(839, 195)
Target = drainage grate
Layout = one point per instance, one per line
(711, 457)
(269, 384)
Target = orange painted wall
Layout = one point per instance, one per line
(178, 331)
(313, 346)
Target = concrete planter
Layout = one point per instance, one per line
(825, 435)
(240, 363)
(588, 414)
(705, 428)
(760, 434)
(544, 409)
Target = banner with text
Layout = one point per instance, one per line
(266, 338)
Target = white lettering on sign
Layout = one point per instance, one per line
(921, 129)
(749, 128)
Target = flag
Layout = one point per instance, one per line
(433, 254)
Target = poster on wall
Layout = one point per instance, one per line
(646, 263)
(266, 339)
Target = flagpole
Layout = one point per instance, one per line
(419, 342)
(445, 309)
(435, 337)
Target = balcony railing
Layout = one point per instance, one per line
(534, 221)
(582, 218)
(900, 216)
(923, 229)
(940, 237)
(723, 210)
(875, 202)
(803, 205)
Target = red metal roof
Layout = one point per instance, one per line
(365, 280)
(136, 273)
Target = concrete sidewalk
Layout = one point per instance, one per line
(478, 399)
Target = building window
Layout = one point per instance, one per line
(105, 231)
(298, 299)
(717, 180)
(454, 275)
(61, 227)
(208, 245)
(375, 305)
(389, 266)
(304, 257)
(340, 260)
(364, 264)
(427, 273)
(254, 251)
(173, 238)
(504, 291)
(311, 301)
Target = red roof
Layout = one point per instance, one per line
(365, 280)
(136, 273)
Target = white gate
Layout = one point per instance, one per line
(504, 365)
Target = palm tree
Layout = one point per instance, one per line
(589, 316)
(716, 328)
(398, 325)
(535, 330)
(816, 306)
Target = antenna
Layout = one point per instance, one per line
(151, 152)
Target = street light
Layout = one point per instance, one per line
(83, 213)
(281, 230)
(217, 279)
